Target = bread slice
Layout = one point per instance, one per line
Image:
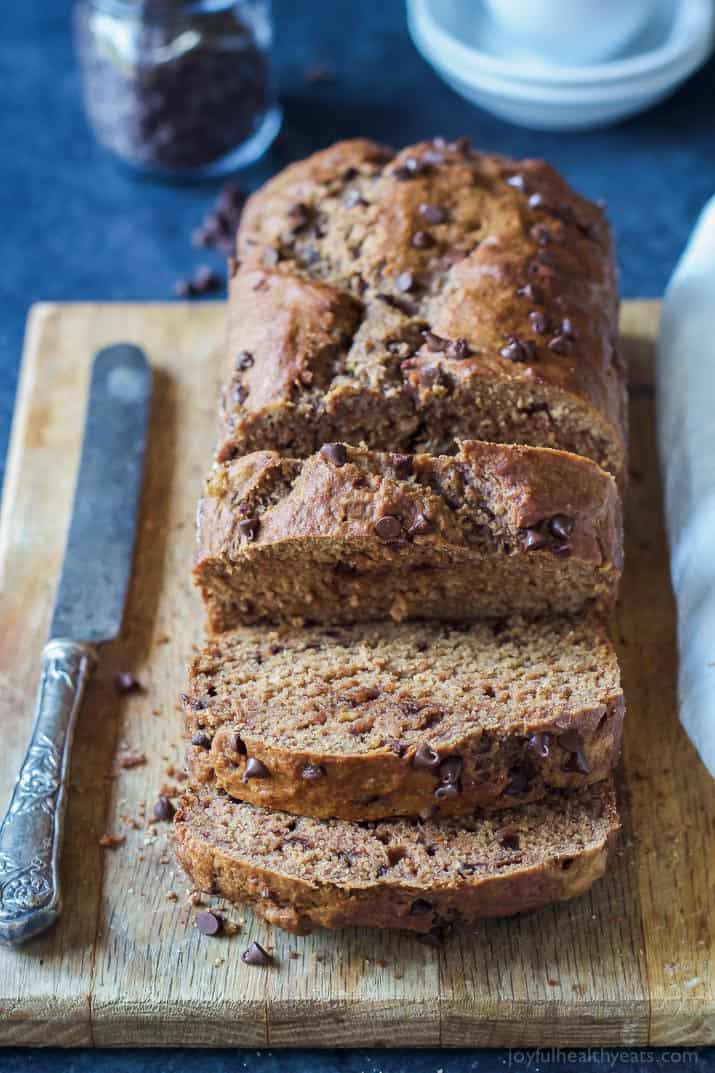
(299, 872)
(350, 534)
(410, 301)
(379, 719)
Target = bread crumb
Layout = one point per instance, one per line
(163, 639)
(129, 758)
(110, 841)
(171, 896)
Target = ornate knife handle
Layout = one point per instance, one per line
(31, 832)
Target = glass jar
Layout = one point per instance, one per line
(179, 87)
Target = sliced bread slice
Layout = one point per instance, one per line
(417, 719)
(299, 872)
(350, 534)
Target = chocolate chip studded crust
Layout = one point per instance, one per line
(408, 302)
(488, 531)
(376, 720)
(299, 872)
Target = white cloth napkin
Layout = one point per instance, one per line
(686, 439)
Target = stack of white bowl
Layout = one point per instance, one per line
(563, 64)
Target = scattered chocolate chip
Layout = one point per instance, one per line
(560, 344)
(422, 240)
(205, 280)
(426, 758)
(208, 923)
(255, 769)
(300, 215)
(561, 526)
(540, 745)
(567, 328)
(518, 782)
(517, 181)
(434, 342)
(433, 214)
(275, 649)
(420, 525)
(335, 453)
(419, 907)
(532, 292)
(244, 360)
(163, 808)
(256, 955)
(405, 282)
(450, 770)
(388, 528)
(238, 745)
(201, 739)
(459, 349)
(518, 350)
(539, 322)
(125, 682)
(311, 772)
(248, 527)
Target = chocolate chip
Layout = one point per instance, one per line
(399, 749)
(560, 344)
(300, 215)
(248, 527)
(239, 394)
(335, 453)
(561, 526)
(431, 375)
(510, 840)
(532, 540)
(518, 782)
(536, 201)
(540, 745)
(532, 292)
(433, 214)
(388, 528)
(411, 167)
(163, 808)
(450, 770)
(208, 923)
(275, 649)
(540, 234)
(255, 769)
(422, 240)
(405, 282)
(311, 772)
(419, 907)
(567, 328)
(426, 758)
(420, 525)
(517, 181)
(205, 280)
(244, 360)
(446, 792)
(256, 955)
(435, 342)
(237, 744)
(539, 322)
(202, 740)
(125, 682)
(403, 465)
(459, 349)
(519, 350)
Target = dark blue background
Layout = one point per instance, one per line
(75, 225)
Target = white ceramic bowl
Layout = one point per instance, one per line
(550, 100)
(572, 31)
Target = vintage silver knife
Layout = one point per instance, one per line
(88, 611)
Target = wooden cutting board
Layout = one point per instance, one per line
(630, 963)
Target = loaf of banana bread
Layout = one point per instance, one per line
(411, 301)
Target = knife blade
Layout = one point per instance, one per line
(88, 611)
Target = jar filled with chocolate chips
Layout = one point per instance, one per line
(179, 87)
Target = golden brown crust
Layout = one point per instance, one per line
(300, 873)
(368, 721)
(472, 247)
(467, 535)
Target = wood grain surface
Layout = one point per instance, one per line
(631, 962)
